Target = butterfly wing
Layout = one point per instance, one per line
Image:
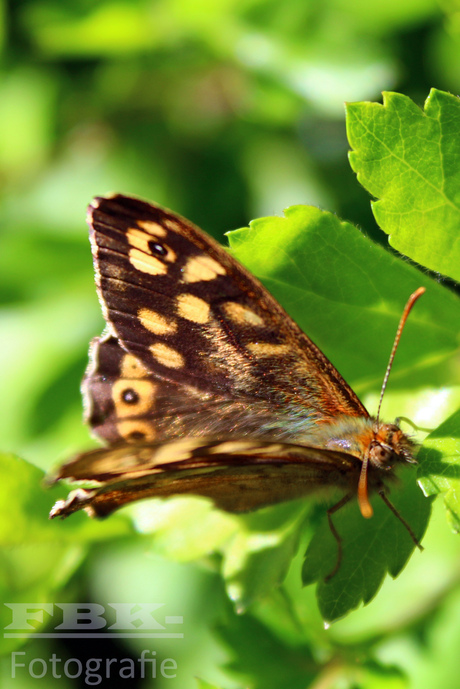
(239, 475)
(210, 351)
(125, 401)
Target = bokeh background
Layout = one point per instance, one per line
(223, 110)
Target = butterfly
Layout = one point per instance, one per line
(202, 384)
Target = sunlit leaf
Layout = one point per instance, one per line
(408, 159)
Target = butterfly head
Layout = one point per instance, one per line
(387, 447)
(379, 447)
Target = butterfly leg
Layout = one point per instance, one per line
(401, 519)
(335, 533)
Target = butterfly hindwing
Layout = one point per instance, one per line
(239, 475)
(125, 401)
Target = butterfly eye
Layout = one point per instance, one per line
(380, 455)
(157, 249)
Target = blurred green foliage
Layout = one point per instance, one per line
(223, 111)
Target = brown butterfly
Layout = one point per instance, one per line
(202, 384)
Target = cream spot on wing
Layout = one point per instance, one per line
(136, 431)
(176, 451)
(152, 228)
(133, 397)
(132, 367)
(267, 349)
(231, 447)
(142, 255)
(147, 263)
(172, 256)
(138, 239)
(249, 447)
(202, 268)
(167, 356)
(241, 314)
(156, 323)
(172, 225)
(193, 308)
(268, 449)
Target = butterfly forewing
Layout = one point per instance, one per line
(210, 341)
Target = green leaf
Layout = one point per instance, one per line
(257, 548)
(258, 557)
(440, 466)
(25, 504)
(264, 659)
(374, 675)
(371, 549)
(267, 657)
(184, 528)
(347, 294)
(408, 159)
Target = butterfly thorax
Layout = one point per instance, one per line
(383, 444)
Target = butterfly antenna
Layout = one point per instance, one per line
(363, 497)
(407, 309)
